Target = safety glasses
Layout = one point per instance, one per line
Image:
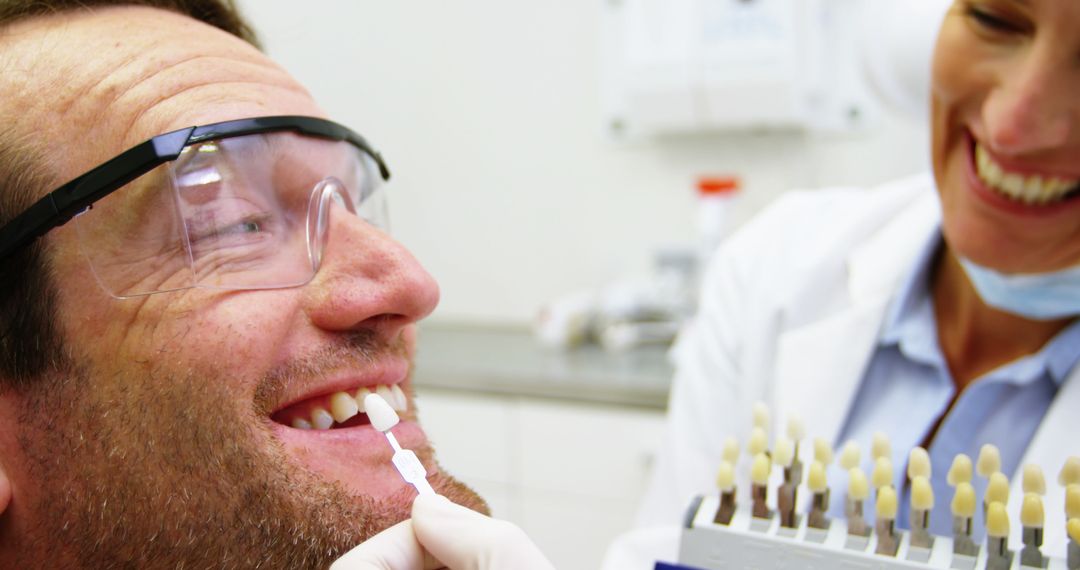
(243, 204)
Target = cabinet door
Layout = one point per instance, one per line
(473, 436)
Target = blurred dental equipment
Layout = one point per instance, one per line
(383, 418)
(629, 313)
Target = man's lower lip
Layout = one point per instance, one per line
(999, 202)
(408, 434)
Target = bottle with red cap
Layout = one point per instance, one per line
(716, 196)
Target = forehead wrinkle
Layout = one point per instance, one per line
(172, 81)
(143, 58)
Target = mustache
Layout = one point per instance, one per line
(357, 349)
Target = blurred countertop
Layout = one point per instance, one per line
(510, 361)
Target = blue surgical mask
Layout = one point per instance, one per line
(1037, 296)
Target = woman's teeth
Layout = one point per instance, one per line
(1031, 190)
(344, 406)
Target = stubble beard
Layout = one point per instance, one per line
(155, 472)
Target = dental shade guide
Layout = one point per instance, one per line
(725, 482)
(1033, 518)
(787, 493)
(817, 522)
(998, 555)
(1073, 561)
(720, 534)
(383, 418)
(759, 492)
(888, 540)
(922, 502)
(1072, 514)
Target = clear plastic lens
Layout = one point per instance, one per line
(248, 212)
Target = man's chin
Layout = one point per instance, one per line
(358, 458)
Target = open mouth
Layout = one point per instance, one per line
(1027, 189)
(338, 410)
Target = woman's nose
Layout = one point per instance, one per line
(367, 280)
(1032, 108)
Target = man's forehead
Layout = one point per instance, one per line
(91, 83)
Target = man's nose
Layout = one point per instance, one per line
(367, 280)
(1033, 107)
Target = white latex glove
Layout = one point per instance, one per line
(442, 534)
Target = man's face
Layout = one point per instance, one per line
(168, 440)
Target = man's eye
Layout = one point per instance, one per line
(211, 231)
(243, 227)
(994, 23)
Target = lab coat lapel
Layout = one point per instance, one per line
(820, 364)
(819, 367)
(1054, 441)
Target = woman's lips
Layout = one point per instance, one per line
(1021, 194)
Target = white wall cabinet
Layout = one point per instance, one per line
(570, 474)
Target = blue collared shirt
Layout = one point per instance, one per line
(907, 387)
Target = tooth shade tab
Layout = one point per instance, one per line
(858, 487)
(822, 451)
(1029, 189)
(1070, 472)
(761, 415)
(1031, 513)
(783, 451)
(850, 456)
(381, 415)
(989, 461)
(886, 503)
(880, 446)
(725, 477)
(997, 520)
(796, 429)
(815, 479)
(918, 464)
(731, 450)
(758, 443)
(759, 470)
(922, 493)
(997, 490)
(960, 471)
(963, 503)
(1034, 480)
(1072, 501)
(1074, 529)
(882, 475)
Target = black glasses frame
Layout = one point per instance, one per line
(78, 195)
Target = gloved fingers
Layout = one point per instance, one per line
(463, 539)
(395, 548)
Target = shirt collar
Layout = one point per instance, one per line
(910, 325)
(908, 314)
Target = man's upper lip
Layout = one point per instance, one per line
(1063, 168)
(385, 372)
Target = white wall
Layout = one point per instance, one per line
(505, 185)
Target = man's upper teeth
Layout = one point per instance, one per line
(1027, 189)
(344, 406)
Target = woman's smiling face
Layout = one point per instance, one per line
(1006, 138)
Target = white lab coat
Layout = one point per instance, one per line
(790, 314)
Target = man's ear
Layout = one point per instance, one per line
(8, 448)
(5, 491)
